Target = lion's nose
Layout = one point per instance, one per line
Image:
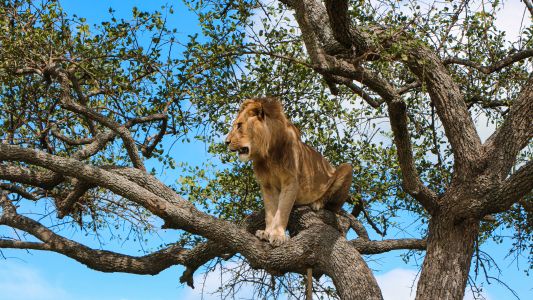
(227, 142)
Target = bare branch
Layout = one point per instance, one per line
(70, 141)
(375, 247)
(7, 207)
(147, 148)
(406, 88)
(98, 143)
(495, 67)
(200, 255)
(18, 190)
(375, 103)
(121, 130)
(357, 226)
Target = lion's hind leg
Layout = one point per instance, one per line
(339, 189)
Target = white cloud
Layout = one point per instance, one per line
(400, 284)
(19, 282)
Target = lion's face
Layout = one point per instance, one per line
(248, 132)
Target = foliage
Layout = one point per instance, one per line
(136, 68)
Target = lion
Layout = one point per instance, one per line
(288, 171)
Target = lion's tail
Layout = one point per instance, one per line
(338, 191)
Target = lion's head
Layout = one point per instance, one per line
(260, 120)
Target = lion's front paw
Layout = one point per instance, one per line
(316, 206)
(262, 234)
(277, 239)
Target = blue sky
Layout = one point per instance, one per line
(41, 275)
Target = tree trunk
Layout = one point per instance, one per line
(348, 270)
(448, 256)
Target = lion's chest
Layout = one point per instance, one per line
(311, 181)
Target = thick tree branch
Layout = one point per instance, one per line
(451, 109)
(513, 135)
(337, 11)
(13, 244)
(512, 190)
(495, 67)
(200, 255)
(343, 31)
(410, 177)
(375, 247)
(316, 17)
(43, 179)
(101, 260)
(177, 214)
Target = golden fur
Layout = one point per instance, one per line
(288, 171)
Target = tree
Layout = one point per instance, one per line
(86, 109)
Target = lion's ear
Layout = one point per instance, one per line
(259, 112)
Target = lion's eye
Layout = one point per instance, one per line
(239, 125)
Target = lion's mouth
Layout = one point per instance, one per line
(243, 150)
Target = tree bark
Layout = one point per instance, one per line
(448, 256)
(346, 267)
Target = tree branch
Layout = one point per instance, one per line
(511, 191)
(122, 131)
(451, 109)
(18, 190)
(71, 141)
(513, 135)
(66, 102)
(410, 177)
(375, 247)
(43, 179)
(23, 245)
(529, 5)
(101, 260)
(343, 31)
(147, 148)
(178, 213)
(316, 17)
(64, 206)
(375, 103)
(495, 67)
